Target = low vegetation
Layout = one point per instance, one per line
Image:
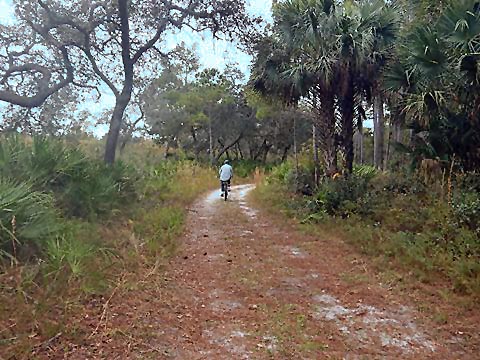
(71, 228)
(431, 232)
(364, 113)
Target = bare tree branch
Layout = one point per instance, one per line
(44, 90)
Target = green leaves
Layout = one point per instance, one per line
(460, 24)
(27, 217)
(436, 80)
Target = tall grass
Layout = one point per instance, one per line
(167, 190)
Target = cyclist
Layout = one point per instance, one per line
(226, 174)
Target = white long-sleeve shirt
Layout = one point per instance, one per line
(226, 172)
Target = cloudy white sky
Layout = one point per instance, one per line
(6, 11)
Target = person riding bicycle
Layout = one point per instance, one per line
(226, 174)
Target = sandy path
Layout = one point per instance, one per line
(246, 286)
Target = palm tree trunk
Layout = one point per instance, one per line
(387, 153)
(348, 138)
(316, 160)
(359, 143)
(379, 132)
(362, 146)
(397, 132)
(325, 123)
(295, 150)
(210, 146)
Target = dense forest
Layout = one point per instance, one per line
(359, 118)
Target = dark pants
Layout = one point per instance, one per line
(222, 184)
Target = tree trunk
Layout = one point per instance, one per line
(227, 147)
(397, 135)
(260, 150)
(115, 126)
(330, 156)
(196, 147)
(235, 151)
(347, 106)
(356, 146)
(251, 148)
(326, 125)
(316, 160)
(210, 139)
(379, 129)
(295, 150)
(362, 145)
(265, 154)
(285, 152)
(387, 152)
(359, 143)
(167, 149)
(348, 144)
(123, 98)
(397, 132)
(239, 147)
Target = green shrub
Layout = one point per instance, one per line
(366, 172)
(341, 196)
(97, 190)
(399, 183)
(66, 254)
(27, 217)
(82, 187)
(466, 275)
(285, 174)
(281, 173)
(469, 182)
(45, 163)
(245, 168)
(466, 210)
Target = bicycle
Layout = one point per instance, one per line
(225, 189)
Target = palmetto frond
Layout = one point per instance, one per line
(427, 52)
(460, 24)
(440, 63)
(26, 216)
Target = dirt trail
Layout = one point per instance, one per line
(246, 286)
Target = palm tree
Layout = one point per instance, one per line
(379, 27)
(356, 39)
(320, 50)
(437, 77)
(303, 30)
